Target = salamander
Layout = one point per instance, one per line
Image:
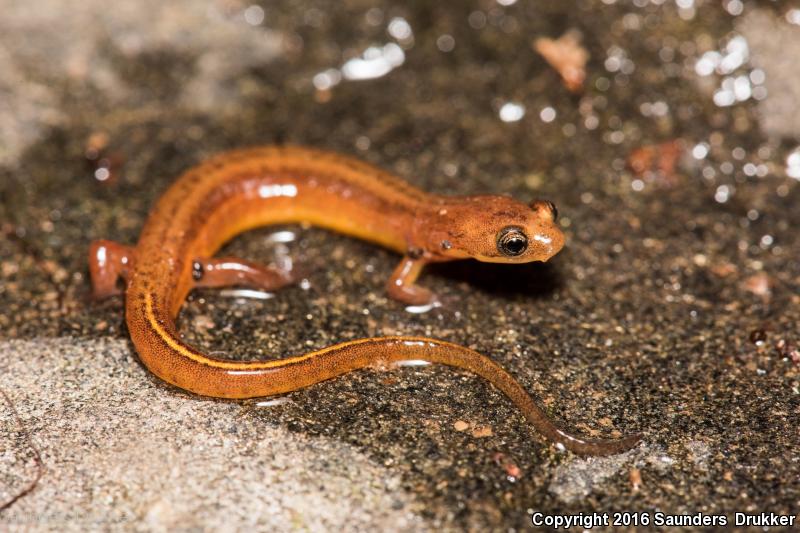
(248, 188)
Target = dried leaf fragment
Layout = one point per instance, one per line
(657, 161)
(567, 56)
(759, 284)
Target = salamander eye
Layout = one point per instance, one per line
(512, 241)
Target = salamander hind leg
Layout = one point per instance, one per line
(229, 271)
(402, 284)
(108, 262)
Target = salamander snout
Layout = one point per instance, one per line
(533, 236)
(545, 236)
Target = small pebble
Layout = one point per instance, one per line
(636, 479)
(482, 431)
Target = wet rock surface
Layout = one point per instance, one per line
(673, 309)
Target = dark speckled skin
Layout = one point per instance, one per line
(240, 190)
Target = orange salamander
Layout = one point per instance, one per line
(243, 189)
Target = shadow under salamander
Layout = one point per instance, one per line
(529, 280)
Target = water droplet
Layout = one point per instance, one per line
(254, 15)
(512, 112)
(726, 167)
(446, 43)
(724, 98)
(363, 142)
(741, 88)
(548, 114)
(400, 29)
(374, 16)
(375, 62)
(758, 337)
(707, 63)
(325, 80)
(793, 165)
(477, 20)
(700, 151)
(616, 137)
(722, 194)
(734, 7)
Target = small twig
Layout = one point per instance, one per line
(37, 458)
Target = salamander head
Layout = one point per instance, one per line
(498, 229)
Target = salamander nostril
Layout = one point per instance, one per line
(539, 206)
(553, 209)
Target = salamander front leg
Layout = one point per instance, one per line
(229, 271)
(108, 262)
(402, 285)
